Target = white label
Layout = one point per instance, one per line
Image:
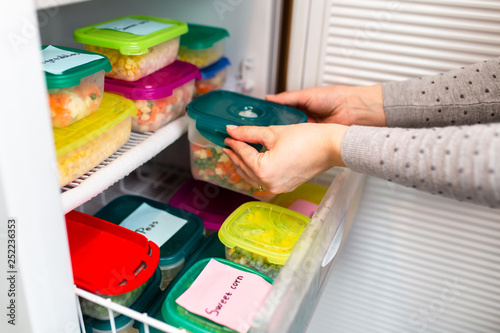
(56, 60)
(157, 225)
(134, 26)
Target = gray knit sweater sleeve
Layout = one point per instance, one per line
(460, 161)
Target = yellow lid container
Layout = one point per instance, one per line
(89, 141)
(261, 235)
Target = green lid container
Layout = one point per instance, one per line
(129, 43)
(175, 315)
(73, 76)
(202, 36)
(215, 110)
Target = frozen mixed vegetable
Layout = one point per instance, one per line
(153, 114)
(202, 57)
(70, 104)
(211, 164)
(214, 83)
(253, 260)
(134, 67)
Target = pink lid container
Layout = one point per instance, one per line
(159, 97)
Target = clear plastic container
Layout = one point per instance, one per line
(208, 116)
(134, 54)
(109, 261)
(160, 97)
(88, 142)
(175, 315)
(123, 323)
(173, 251)
(202, 45)
(76, 92)
(261, 235)
(213, 77)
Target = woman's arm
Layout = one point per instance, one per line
(465, 96)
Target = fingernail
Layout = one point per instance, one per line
(231, 126)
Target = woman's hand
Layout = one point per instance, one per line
(344, 105)
(295, 153)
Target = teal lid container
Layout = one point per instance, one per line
(202, 45)
(175, 251)
(144, 301)
(216, 109)
(175, 315)
(73, 76)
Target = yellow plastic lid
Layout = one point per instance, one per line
(112, 110)
(263, 228)
(310, 192)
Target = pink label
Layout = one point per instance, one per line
(304, 207)
(226, 295)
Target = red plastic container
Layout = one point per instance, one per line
(109, 260)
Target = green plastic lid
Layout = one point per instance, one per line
(264, 229)
(202, 36)
(126, 42)
(218, 108)
(175, 315)
(73, 76)
(179, 246)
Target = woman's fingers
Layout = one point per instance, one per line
(242, 169)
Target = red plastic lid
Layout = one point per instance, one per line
(159, 84)
(108, 259)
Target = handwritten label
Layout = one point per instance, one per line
(304, 207)
(226, 295)
(157, 225)
(56, 60)
(134, 26)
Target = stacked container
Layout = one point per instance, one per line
(204, 46)
(143, 52)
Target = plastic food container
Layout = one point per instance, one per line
(77, 91)
(175, 315)
(108, 260)
(213, 77)
(160, 97)
(202, 45)
(175, 249)
(261, 235)
(208, 117)
(135, 45)
(125, 324)
(210, 247)
(210, 202)
(88, 142)
(304, 199)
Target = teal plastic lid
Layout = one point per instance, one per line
(177, 316)
(179, 246)
(73, 76)
(147, 297)
(129, 43)
(202, 36)
(218, 108)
